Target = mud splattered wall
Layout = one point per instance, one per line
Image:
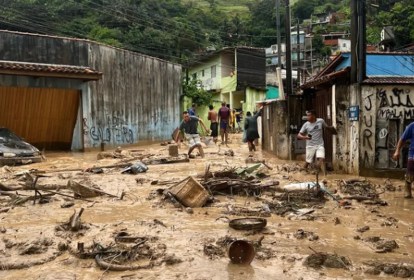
(136, 100)
(385, 112)
(343, 153)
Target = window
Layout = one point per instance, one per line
(194, 76)
(213, 71)
(202, 73)
(344, 45)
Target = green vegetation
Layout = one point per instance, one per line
(198, 95)
(177, 30)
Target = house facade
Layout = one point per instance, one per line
(369, 117)
(73, 94)
(236, 75)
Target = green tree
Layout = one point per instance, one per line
(193, 89)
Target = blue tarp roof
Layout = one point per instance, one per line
(384, 64)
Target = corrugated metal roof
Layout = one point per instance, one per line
(389, 80)
(326, 78)
(384, 64)
(48, 70)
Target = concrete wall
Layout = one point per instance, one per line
(365, 147)
(385, 112)
(136, 100)
(344, 142)
(252, 96)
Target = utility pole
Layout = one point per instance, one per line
(362, 52)
(288, 75)
(358, 41)
(288, 51)
(279, 43)
(354, 42)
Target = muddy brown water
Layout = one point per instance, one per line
(186, 234)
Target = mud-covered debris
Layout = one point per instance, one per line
(363, 229)
(390, 187)
(302, 234)
(229, 153)
(172, 259)
(67, 204)
(390, 222)
(116, 154)
(253, 160)
(359, 189)
(94, 170)
(228, 172)
(318, 260)
(213, 251)
(381, 245)
(62, 246)
(245, 211)
(265, 253)
(64, 176)
(290, 168)
(165, 160)
(401, 270)
(136, 168)
(74, 223)
(337, 221)
(190, 193)
(38, 246)
(248, 224)
(125, 237)
(4, 210)
(80, 190)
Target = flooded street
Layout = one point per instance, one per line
(184, 244)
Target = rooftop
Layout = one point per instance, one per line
(48, 70)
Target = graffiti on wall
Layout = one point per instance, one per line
(114, 130)
(368, 130)
(396, 103)
(386, 110)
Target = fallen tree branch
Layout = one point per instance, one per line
(118, 267)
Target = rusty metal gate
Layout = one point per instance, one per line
(44, 117)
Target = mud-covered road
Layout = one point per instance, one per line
(357, 238)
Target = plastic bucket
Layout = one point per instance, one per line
(241, 252)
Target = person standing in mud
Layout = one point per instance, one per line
(212, 117)
(250, 125)
(223, 118)
(192, 110)
(312, 132)
(190, 127)
(408, 135)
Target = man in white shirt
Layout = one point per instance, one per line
(312, 132)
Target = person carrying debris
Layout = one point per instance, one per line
(212, 117)
(250, 126)
(189, 125)
(224, 116)
(408, 135)
(312, 132)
